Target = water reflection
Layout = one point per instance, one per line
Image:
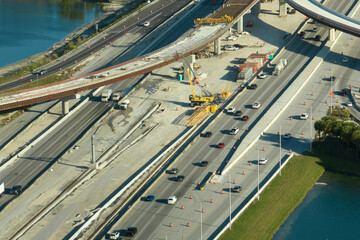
(76, 10)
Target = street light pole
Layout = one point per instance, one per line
(93, 148)
(258, 163)
(331, 95)
(280, 152)
(200, 221)
(310, 129)
(230, 199)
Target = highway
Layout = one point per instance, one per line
(153, 219)
(157, 16)
(31, 166)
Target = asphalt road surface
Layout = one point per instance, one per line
(153, 219)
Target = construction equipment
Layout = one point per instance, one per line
(223, 19)
(197, 100)
(199, 114)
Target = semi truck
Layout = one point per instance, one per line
(2, 188)
(124, 104)
(105, 95)
(280, 66)
(245, 74)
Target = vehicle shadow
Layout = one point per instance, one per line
(163, 201)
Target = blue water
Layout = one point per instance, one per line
(28, 27)
(327, 212)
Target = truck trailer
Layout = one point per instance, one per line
(105, 95)
(280, 66)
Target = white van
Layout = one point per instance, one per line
(172, 200)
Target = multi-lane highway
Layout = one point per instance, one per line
(153, 218)
(158, 12)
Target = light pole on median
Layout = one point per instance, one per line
(310, 148)
(280, 152)
(230, 199)
(258, 163)
(200, 221)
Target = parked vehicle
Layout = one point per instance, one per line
(304, 116)
(263, 161)
(2, 188)
(131, 231)
(230, 48)
(105, 95)
(172, 200)
(245, 74)
(280, 66)
(124, 104)
(16, 190)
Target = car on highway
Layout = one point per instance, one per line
(231, 110)
(208, 134)
(234, 130)
(150, 198)
(345, 60)
(287, 135)
(236, 189)
(263, 161)
(172, 200)
(221, 145)
(16, 190)
(114, 235)
(204, 163)
(180, 178)
(304, 116)
(349, 104)
(252, 86)
(230, 48)
(245, 118)
(238, 113)
(262, 76)
(146, 24)
(256, 105)
(174, 171)
(42, 71)
(332, 78)
(344, 92)
(131, 231)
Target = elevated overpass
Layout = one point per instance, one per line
(326, 16)
(200, 38)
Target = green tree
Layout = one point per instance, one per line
(320, 127)
(346, 132)
(355, 137)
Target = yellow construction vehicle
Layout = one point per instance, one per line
(197, 100)
(223, 19)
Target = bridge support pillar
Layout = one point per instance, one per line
(282, 8)
(331, 34)
(188, 62)
(240, 25)
(256, 9)
(65, 103)
(217, 47)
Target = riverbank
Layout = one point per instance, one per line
(263, 218)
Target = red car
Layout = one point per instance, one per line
(221, 145)
(245, 118)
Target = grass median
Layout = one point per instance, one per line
(262, 219)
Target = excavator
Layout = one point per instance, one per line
(194, 99)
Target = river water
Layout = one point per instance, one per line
(327, 212)
(28, 27)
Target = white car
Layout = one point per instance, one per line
(304, 116)
(349, 104)
(345, 60)
(230, 48)
(146, 24)
(262, 76)
(263, 161)
(114, 235)
(256, 105)
(287, 135)
(172, 200)
(231, 110)
(234, 130)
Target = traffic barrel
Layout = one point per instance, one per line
(302, 133)
(170, 225)
(190, 196)
(264, 149)
(234, 182)
(203, 211)
(250, 163)
(243, 172)
(188, 224)
(182, 206)
(211, 200)
(222, 191)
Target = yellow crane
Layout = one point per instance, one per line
(197, 100)
(223, 19)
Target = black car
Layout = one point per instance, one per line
(253, 86)
(180, 178)
(42, 71)
(131, 231)
(238, 113)
(332, 78)
(204, 163)
(317, 38)
(236, 189)
(208, 134)
(16, 190)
